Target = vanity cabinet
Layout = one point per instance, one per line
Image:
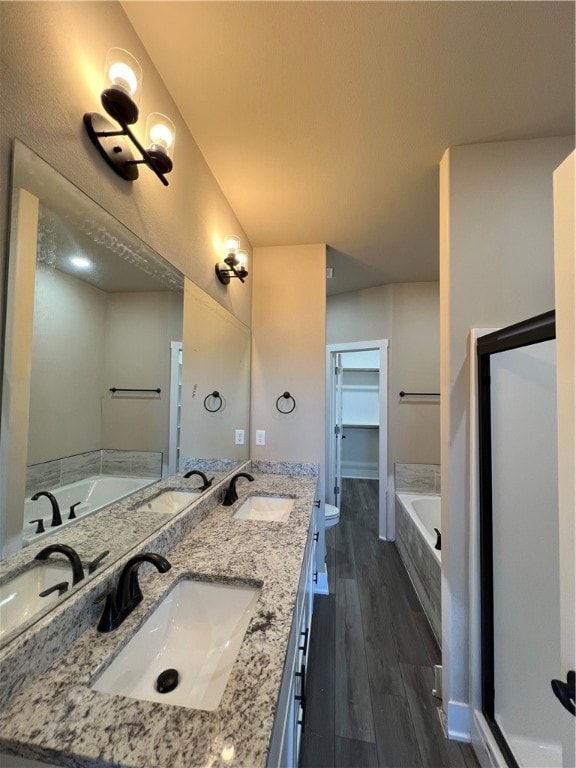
(290, 717)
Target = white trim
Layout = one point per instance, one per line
(475, 657)
(362, 346)
(171, 462)
(484, 743)
(458, 714)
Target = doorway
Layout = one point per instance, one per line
(357, 419)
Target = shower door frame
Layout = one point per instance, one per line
(536, 330)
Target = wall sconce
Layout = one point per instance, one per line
(234, 265)
(120, 99)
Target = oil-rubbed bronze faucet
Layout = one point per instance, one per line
(121, 602)
(56, 516)
(207, 483)
(231, 495)
(71, 554)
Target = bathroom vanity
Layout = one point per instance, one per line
(51, 712)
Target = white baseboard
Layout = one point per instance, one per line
(459, 721)
(353, 473)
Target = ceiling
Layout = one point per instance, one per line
(326, 121)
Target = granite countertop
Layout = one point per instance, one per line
(110, 528)
(59, 719)
(114, 529)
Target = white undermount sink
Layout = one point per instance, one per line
(196, 630)
(169, 502)
(19, 597)
(267, 508)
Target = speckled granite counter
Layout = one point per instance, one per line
(59, 719)
(115, 528)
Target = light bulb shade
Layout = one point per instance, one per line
(122, 86)
(123, 71)
(160, 134)
(241, 261)
(232, 245)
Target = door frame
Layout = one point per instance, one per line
(535, 330)
(361, 346)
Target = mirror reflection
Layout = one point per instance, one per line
(216, 429)
(103, 325)
(101, 385)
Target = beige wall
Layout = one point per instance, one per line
(139, 329)
(407, 314)
(86, 341)
(67, 367)
(216, 357)
(16, 375)
(52, 63)
(288, 351)
(496, 268)
(359, 315)
(565, 281)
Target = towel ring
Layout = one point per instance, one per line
(285, 396)
(216, 396)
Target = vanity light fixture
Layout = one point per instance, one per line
(120, 97)
(234, 265)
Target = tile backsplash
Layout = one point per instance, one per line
(417, 478)
(208, 465)
(53, 474)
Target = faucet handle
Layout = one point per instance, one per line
(72, 515)
(40, 527)
(97, 560)
(62, 587)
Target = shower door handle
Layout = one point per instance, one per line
(565, 692)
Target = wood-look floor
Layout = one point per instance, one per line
(369, 700)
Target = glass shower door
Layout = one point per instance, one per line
(521, 600)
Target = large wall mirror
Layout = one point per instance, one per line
(112, 362)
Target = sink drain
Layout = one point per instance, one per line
(167, 680)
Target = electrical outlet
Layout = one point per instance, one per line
(260, 437)
(239, 437)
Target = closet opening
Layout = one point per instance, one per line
(357, 419)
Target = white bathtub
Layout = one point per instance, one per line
(425, 512)
(93, 493)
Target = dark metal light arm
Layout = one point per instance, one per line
(118, 154)
(237, 274)
(227, 269)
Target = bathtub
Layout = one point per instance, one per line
(93, 493)
(417, 515)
